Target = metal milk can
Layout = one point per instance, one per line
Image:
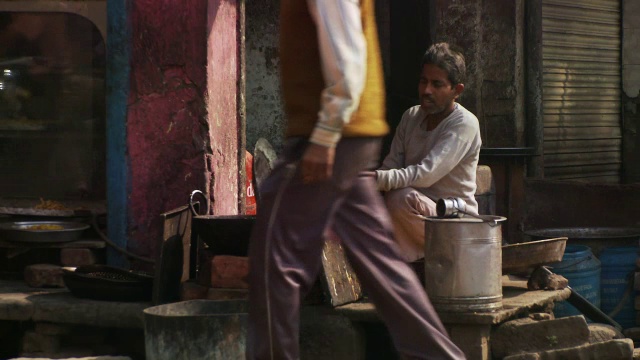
(463, 263)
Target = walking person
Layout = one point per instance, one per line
(333, 90)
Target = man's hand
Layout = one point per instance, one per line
(317, 163)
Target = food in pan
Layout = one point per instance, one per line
(50, 205)
(44, 227)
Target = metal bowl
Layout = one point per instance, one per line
(596, 238)
(586, 233)
(32, 232)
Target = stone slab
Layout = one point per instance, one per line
(515, 301)
(619, 349)
(529, 336)
(20, 302)
(338, 278)
(67, 309)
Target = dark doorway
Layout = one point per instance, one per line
(411, 29)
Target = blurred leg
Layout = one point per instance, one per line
(286, 244)
(399, 297)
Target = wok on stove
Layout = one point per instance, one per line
(223, 234)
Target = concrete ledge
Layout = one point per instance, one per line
(18, 302)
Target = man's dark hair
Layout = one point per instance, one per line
(449, 60)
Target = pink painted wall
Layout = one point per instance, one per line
(181, 119)
(222, 75)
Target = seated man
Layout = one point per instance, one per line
(434, 152)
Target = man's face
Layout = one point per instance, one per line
(437, 94)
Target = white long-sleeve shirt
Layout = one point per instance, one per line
(439, 163)
(343, 54)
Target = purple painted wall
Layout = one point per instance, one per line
(182, 131)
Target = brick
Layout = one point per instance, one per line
(227, 294)
(529, 336)
(619, 349)
(34, 342)
(541, 316)
(191, 291)
(229, 272)
(78, 257)
(43, 275)
(542, 280)
(52, 329)
(632, 333)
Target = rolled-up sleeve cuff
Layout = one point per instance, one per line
(381, 180)
(325, 136)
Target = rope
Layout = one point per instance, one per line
(625, 296)
(94, 224)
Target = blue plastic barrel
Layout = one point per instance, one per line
(616, 284)
(582, 269)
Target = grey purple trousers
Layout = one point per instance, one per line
(286, 246)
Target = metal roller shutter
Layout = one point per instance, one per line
(581, 89)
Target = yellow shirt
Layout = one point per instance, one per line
(335, 105)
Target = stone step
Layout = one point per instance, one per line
(619, 349)
(530, 336)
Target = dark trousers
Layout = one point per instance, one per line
(286, 246)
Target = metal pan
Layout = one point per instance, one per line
(523, 257)
(103, 282)
(69, 208)
(41, 231)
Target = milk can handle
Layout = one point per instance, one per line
(206, 199)
(488, 219)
